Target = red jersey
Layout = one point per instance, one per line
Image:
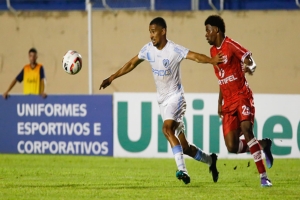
(232, 80)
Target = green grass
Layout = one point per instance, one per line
(88, 177)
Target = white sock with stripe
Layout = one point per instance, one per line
(178, 154)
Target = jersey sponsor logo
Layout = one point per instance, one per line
(226, 80)
(165, 63)
(221, 73)
(31, 80)
(161, 72)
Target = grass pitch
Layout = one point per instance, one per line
(90, 177)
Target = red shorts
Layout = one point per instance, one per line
(235, 112)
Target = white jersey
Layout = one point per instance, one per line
(165, 65)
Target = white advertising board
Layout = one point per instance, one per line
(138, 125)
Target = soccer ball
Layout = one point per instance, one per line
(72, 62)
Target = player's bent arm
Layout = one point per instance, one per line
(129, 66)
(12, 84)
(250, 64)
(43, 85)
(201, 58)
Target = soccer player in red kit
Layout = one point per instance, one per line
(235, 104)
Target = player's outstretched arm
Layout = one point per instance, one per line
(129, 66)
(249, 65)
(13, 83)
(201, 58)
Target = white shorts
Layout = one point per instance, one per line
(174, 109)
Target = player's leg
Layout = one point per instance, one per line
(199, 155)
(172, 112)
(193, 151)
(265, 145)
(231, 121)
(169, 128)
(255, 151)
(231, 133)
(246, 113)
(237, 145)
(232, 141)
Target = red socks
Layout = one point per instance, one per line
(243, 147)
(256, 153)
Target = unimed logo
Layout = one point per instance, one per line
(276, 127)
(162, 143)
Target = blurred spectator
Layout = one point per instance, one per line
(33, 77)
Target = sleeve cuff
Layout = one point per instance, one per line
(245, 55)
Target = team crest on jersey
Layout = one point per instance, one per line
(165, 63)
(221, 73)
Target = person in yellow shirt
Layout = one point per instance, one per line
(32, 76)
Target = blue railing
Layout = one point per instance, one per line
(173, 5)
(44, 4)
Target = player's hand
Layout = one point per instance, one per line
(5, 95)
(44, 95)
(220, 110)
(105, 83)
(217, 59)
(246, 69)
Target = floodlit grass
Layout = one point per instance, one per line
(90, 177)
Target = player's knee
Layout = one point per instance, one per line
(232, 148)
(246, 130)
(246, 127)
(248, 134)
(167, 130)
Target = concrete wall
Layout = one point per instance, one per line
(272, 36)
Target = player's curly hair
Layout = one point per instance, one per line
(32, 50)
(159, 21)
(216, 20)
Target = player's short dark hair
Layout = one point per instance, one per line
(159, 21)
(216, 20)
(32, 50)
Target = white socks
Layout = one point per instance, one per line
(203, 157)
(178, 154)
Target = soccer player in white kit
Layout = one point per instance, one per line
(164, 57)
